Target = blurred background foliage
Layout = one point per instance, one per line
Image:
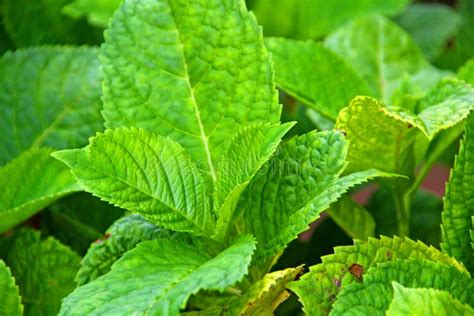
(443, 31)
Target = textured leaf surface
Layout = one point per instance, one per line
(265, 295)
(11, 301)
(249, 150)
(97, 12)
(430, 25)
(382, 53)
(44, 271)
(165, 273)
(378, 137)
(373, 296)
(353, 218)
(122, 236)
(145, 173)
(206, 75)
(423, 301)
(314, 75)
(48, 180)
(49, 96)
(301, 181)
(43, 16)
(315, 18)
(458, 211)
(319, 288)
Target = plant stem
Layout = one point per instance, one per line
(402, 207)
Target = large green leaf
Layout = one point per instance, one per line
(98, 12)
(11, 301)
(195, 71)
(466, 72)
(458, 211)
(314, 75)
(383, 54)
(424, 301)
(430, 25)
(44, 271)
(249, 150)
(145, 173)
(29, 183)
(122, 236)
(301, 181)
(319, 288)
(49, 96)
(315, 18)
(165, 273)
(374, 294)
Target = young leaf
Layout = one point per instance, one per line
(457, 226)
(248, 151)
(144, 173)
(319, 288)
(98, 12)
(44, 271)
(382, 53)
(165, 273)
(431, 25)
(373, 295)
(301, 181)
(122, 236)
(424, 301)
(205, 75)
(379, 137)
(48, 180)
(353, 218)
(49, 96)
(310, 19)
(265, 295)
(314, 75)
(9, 293)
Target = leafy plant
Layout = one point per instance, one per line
(198, 186)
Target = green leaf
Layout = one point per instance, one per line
(122, 236)
(98, 12)
(353, 218)
(49, 96)
(144, 173)
(379, 137)
(373, 295)
(458, 211)
(44, 17)
(382, 53)
(309, 19)
(430, 25)
(248, 151)
(423, 301)
(44, 271)
(314, 75)
(301, 181)
(319, 288)
(48, 180)
(78, 219)
(265, 295)
(165, 273)
(205, 75)
(466, 72)
(9, 293)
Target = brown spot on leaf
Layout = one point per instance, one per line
(356, 270)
